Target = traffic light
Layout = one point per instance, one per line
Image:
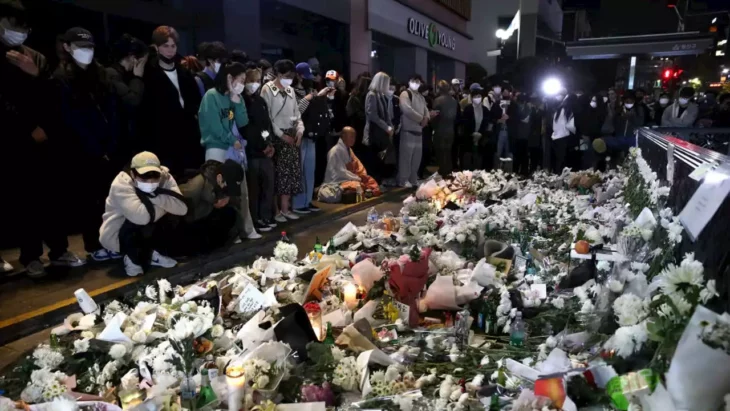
(667, 74)
(670, 77)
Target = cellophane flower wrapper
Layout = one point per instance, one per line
(699, 376)
(365, 274)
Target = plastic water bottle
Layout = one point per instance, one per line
(517, 332)
(372, 216)
(405, 218)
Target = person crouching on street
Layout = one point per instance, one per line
(134, 220)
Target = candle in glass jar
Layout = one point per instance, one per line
(236, 381)
(350, 292)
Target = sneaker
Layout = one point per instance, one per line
(280, 218)
(35, 269)
(313, 208)
(291, 216)
(131, 268)
(301, 210)
(160, 260)
(270, 223)
(68, 259)
(5, 267)
(261, 226)
(407, 184)
(254, 236)
(104, 255)
(238, 241)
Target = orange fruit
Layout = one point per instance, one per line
(582, 247)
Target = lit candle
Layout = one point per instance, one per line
(350, 291)
(236, 381)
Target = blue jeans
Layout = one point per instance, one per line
(503, 145)
(308, 154)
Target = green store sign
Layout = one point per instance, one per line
(432, 33)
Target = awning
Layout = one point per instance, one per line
(658, 45)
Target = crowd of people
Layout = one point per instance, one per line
(172, 156)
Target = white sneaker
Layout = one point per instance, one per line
(5, 267)
(68, 259)
(160, 260)
(280, 218)
(290, 216)
(254, 236)
(237, 241)
(407, 184)
(131, 268)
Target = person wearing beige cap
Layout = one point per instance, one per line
(139, 199)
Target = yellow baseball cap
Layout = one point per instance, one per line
(145, 162)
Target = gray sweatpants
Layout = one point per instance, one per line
(409, 157)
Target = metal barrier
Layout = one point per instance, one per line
(713, 138)
(712, 247)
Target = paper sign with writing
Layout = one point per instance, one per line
(403, 310)
(700, 171)
(704, 202)
(251, 299)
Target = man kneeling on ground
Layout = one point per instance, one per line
(345, 169)
(136, 213)
(212, 220)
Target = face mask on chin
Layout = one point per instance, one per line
(147, 187)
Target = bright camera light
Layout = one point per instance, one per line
(551, 86)
(725, 71)
(502, 34)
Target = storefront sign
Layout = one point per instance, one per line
(431, 32)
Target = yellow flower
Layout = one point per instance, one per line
(391, 312)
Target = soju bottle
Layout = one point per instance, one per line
(331, 248)
(206, 396)
(494, 403)
(284, 238)
(329, 338)
(317, 246)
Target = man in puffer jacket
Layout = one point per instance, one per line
(134, 219)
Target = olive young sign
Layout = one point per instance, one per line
(431, 32)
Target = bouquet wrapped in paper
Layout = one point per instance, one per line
(407, 283)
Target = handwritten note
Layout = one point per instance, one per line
(404, 311)
(250, 300)
(704, 202)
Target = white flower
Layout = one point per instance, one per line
(130, 380)
(627, 340)
(558, 303)
(337, 353)
(150, 292)
(616, 286)
(265, 134)
(81, 346)
(139, 337)
(217, 331)
(709, 292)
(45, 357)
(117, 351)
(62, 404)
(86, 322)
(629, 309)
(603, 265)
(528, 361)
(185, 308)
(286, 252)
(262, 381)
(551, 342)
(347, 375)
(674, 278)
(587, 307)
(87, 334)
(461, 238)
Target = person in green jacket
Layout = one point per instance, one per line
(222, 112)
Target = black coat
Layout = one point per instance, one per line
(258, 122)
(468, 125)
(170, 130)
(316, 118)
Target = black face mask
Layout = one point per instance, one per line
(165, 59)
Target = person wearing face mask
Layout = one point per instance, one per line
(125, 76)
(26, 119)
(628, 120)
(222, 114)
(415, 116)
(89, 116)
(136, 213)
(288, 130)
(564, 138)
(337, 120)
(474, 128)
(589, 125)
(379, 128)
(427, 136)
(260, 151)
(170, 106)
(213, 55)
(661, 105)
(683, 112)
(313, 107)
(444, 127)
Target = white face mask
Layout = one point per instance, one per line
(286, 82)
(331, 84)
(390, 93)
(594, 104)
(414, 85)
(683, 101)
(147, 187)
(217, 66)
(477, 101)
(83, 56)
(11, 37)
(629, 105)
(497, 90)
(605, 99)
(664, 101)
(252, 87)
(237, 88)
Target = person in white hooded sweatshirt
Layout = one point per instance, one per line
(563, 138)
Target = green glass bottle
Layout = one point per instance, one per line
(317, 246)
(494, 403)
(207, 396)
(329, 338)
(331, 248)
